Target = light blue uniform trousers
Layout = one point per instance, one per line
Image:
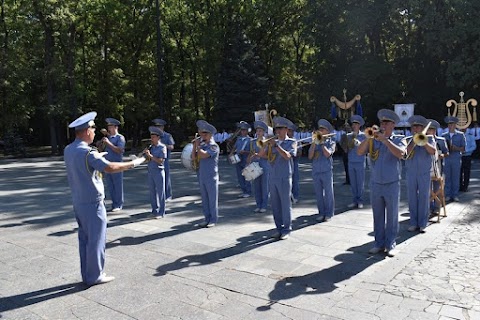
(323, 186)
(452, 176)
(295, 179)
(209, 193)
(356, 172)
(156, 185)
(115, 188)
(384, 200)
(280, 189)
(260, 186)
(245, 185)
(418, 198)
(92, 229)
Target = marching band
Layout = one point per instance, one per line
(269, 163)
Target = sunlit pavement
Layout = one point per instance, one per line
(173, 269)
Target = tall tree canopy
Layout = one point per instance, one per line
(223, 59)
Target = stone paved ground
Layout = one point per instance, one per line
(447, 273)
(171, 269)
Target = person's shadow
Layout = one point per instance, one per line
(250, 242)
(355, 260)
(29, 298)
(253, 241)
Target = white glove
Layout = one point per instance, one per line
(138, 161)
(99, 155)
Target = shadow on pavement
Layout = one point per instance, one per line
(132, 241)
(244, 244)
(29, 298)
(352, 262)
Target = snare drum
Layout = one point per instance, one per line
(187, 157)
(252, 171)
(233, 158)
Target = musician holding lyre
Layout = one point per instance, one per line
(386, 151)
(242, 149)
(206, 151)
(321, 153)
(279, 153)
(456, 145)
(156, 153)
(356, 163)
(418, 162)
(260, 184)
(437, 159)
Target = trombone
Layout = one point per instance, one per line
(317, 138)
(419, 139)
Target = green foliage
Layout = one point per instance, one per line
(222, 59)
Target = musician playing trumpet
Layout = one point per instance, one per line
(386, 151)
(321, 152)
(260, 184)
(207, 151)
(156, 154)
(437, 159)
(356, 163)
(418, 163)
(279, 153)
(456, 145)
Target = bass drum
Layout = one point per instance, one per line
(252, 171)
(187, 157)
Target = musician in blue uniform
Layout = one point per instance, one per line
(418, 162)
(466, 166)
(84, 165)
(206, 152)
(437, 168)
(386, 151)
(296, 171)
(356, 163)
(115, 146)
(321, 154)
(260, 184)
(167, 139)
(242, 149)
(456, 145)
(279, 154)
(156, 153)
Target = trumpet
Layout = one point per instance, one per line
(196, 138)
(262, 143)
(370, 132)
